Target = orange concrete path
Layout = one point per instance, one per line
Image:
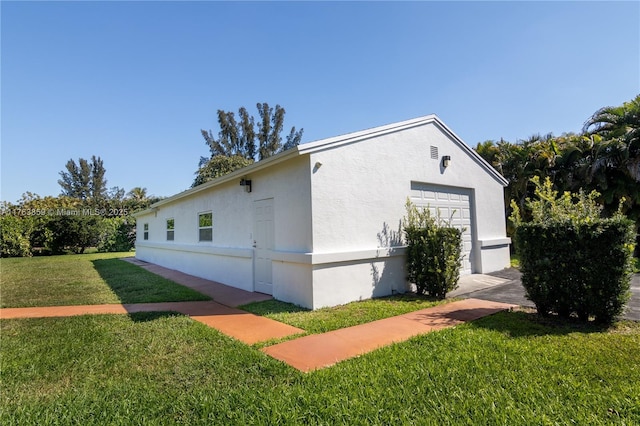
(323, 350)
(242, 325)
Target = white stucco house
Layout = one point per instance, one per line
(320, 224)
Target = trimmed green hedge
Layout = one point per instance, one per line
(434, 252)
(577, 268)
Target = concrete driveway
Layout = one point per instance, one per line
(505, 286)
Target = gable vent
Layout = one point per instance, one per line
(434, 152)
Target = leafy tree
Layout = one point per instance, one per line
(117, 234)
(246, 138)
(219, 165)
(74, 232)
(84, 180)
(14, 236)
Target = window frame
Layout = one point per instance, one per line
(171, 230)
(145, 231)
(202, 228)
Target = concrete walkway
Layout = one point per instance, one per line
(323, 350)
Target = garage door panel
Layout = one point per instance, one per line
(452, 205)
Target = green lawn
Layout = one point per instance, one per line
(165, 369)
(82, 280)
(327, 319)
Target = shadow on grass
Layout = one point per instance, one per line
(153, 316)
(133, 284)
(530, 324)
(273, 306)
(269, 307)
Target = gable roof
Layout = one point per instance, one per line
(332, 143)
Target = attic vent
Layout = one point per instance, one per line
(434, 152)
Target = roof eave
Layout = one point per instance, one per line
(267, 162)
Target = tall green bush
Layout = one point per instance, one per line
(117, 234)
(572, 260)
(434, 252)
(14, 236)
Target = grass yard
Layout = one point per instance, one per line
(162, 368)
(165, 368)
(328, 319)
(83, 280)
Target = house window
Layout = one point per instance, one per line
(170, 229)
(205, 226)
(146, 231)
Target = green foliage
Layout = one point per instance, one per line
(54, 225)
(74, 232)
(85, 180)
(583, 268)
(14, 236)
(434, 252)
(117, 234)
(604, 158)
(572, 260)
(219, 165)
(547, 207)
(246, 138)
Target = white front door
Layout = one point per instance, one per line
(263, 243)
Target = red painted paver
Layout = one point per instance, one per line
(60, 311)
(323, 350)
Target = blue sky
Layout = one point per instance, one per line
(134, 82)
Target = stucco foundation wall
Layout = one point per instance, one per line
(292, 283)
(494, 254)
(234, 269)
(339, 283)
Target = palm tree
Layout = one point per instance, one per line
(138, 194)
(619, 127)
(615, 168)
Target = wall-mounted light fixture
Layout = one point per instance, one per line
(446, 161)
(246, 183)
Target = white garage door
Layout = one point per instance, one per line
(454, 206)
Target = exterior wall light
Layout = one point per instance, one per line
(246, 183)
(446, 161)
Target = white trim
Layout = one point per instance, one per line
(195, 248)
(338, 257)
(284, 256)
(495, 242)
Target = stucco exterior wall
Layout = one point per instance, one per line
(359, 193)
(229, 257)
(337, 209)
